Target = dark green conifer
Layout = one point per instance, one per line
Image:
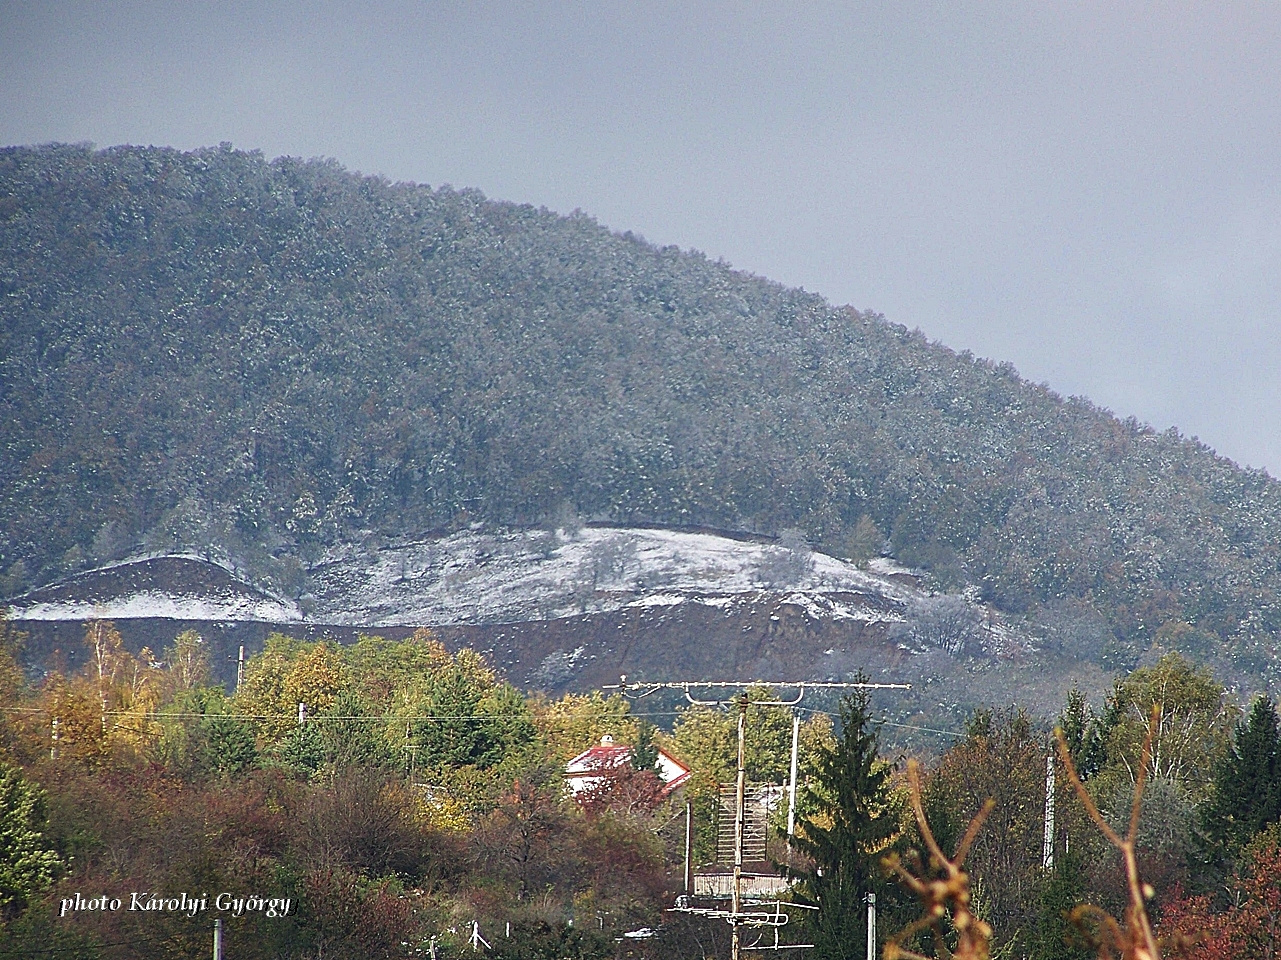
(645, 752)
(1052, 934)
(848, 834)
(1083, 734)
(1247, 787)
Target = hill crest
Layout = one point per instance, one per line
(214, 353)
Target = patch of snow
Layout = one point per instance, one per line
(477, 576)
(721, 602)
(660, 600)
(888, 566)
(486, 576)
(151, 604)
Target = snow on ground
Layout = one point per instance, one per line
(151, 604)
(493, 576)
(478, 576)
(174, 586)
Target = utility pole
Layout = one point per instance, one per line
(791, 783)
(1047, 846)
(739, 796)
(100, 656)
(689, 848)
(53, 746)
(217, 951)
(240, 668)
(871, 926)
(302, 714)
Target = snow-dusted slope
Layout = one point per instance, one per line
(481, 576)
(574, 609)
(485, 577)
(174, 588)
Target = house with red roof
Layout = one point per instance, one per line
(594, 766)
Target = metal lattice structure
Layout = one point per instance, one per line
(755, 816)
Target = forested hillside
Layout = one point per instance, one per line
(255, 358)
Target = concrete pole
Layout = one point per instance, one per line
(1047, 846)
(791, 783)
(689, 848)
(871, 926)
(240, 668)
(739, 811)
(302, 714)
(217, 951)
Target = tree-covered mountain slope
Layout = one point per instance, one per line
(256, 358)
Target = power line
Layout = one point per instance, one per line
(890, 723)
(93, 946)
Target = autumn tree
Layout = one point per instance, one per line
(526, 838)
(1250, 926)
(1001, 758)
(11, 642)
(571, 724)
(1193, 728)
(382, 670)
(188, 661)
(12, 686)
(285, 674)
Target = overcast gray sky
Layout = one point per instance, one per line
(1089, 190)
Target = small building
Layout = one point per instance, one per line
(593, 766)
(760, 880)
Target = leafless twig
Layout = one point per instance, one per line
(946, 894)
(1132, 940)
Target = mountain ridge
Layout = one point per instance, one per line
(213, 352)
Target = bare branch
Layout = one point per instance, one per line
(1134, 940)
(942, 896)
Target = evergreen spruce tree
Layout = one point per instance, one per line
(645, 751)
(1247, 787)
(849, 831)
(1083, 733)
(1052, 934)
(27, 864)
